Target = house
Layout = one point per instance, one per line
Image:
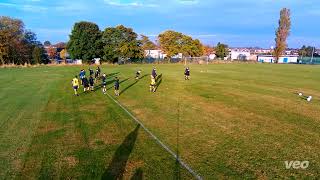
(239, 54)
(282, 59)
(154, 54)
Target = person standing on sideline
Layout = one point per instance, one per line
(116, 86)
(75, 85)
(96, 75)
(104, 83)
(187, 74)
(91, 72)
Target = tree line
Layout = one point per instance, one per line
(19, 45)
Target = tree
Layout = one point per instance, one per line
(282, 33)
(173, 43)
(47, 43)
(147, 44)
(52, 52)
(207, 50)
(16, 43)
(36, 55)
(306, 51)
(120, 43)
(221, 50)
(85, 41)
(63, 55)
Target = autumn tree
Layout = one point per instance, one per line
(222, 50)
(282, 33)
(173, 43)
(63, 55)
(121, 43)
(16, 43)
(207, 50)
(85, 41)
(147, 44)
(52, 52)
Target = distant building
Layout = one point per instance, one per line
(154, 54)
(239, 54)
(285, 59)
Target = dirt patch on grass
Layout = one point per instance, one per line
(71, 161)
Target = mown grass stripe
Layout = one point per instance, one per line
(181, 162)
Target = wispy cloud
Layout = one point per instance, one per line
(25, 7)
(188, 2)
(119, 3)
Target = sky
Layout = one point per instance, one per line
(238, 23)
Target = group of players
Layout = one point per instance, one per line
(88, 84)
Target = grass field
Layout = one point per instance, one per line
(234, 121)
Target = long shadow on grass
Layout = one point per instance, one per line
(125, 89)
(159, 81)
(117, 166)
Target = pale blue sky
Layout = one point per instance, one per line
(235, 22)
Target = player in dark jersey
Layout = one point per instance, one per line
(116, 86)
(91, 82)
(138, 73)
(85, 84)
(187, 74)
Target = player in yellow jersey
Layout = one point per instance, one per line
(153, 84)
(75, 85)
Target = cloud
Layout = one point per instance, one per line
(188, 2)
(25, 7)
(120, 3)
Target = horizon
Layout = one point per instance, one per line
(209, 21)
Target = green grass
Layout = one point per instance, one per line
(234, 121)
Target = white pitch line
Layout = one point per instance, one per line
(182, 163)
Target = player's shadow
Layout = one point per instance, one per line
(125, 89)
(117, 166)
(112, 74)
(143, 76)
(138, 175)
(159, 81)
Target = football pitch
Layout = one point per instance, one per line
(229, 121)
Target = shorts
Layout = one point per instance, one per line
(91, 84)
(75, 87)
(116, 87)
(86, 85)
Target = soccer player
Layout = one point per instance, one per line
(154, 73)
(187, 74)
(85, 84)
(91, 82)
(96, 75)
(116, 86)
(91, 72)
(138, 73)
(153, 84)
(99, 70)
(75, 85)
(104, 83)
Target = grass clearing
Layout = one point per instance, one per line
(235, 121)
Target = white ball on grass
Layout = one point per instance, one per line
(309, 98)
(300, 94)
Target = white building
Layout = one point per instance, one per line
(239, 54)
(282, 59)
(154, 54)
(212, 56)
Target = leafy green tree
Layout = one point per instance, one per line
(172, 43)
(306, 51)
(85, 41)
(36, 55)
(282, 33)
(147, 44)
(47, 43)
(120, 43)
(222, 50)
